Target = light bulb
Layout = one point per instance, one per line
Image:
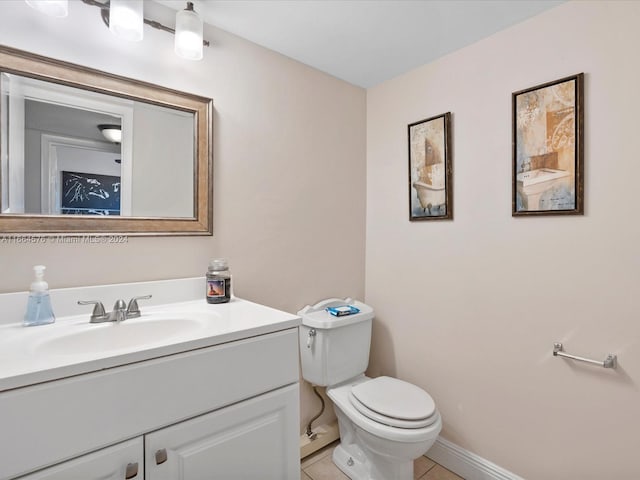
(126, 19)
(53, 8)
(189, 27)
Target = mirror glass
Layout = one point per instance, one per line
(86, 151)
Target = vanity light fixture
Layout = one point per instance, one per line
(189, 26)
(53, 8)
(113, 133)
(125, 18)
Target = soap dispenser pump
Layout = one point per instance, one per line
(39, 311)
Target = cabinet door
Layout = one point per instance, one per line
(253, 439)
(118, 462)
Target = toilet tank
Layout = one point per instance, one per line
(334, 349)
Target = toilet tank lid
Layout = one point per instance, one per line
(316, 316)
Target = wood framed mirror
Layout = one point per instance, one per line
(63, 172)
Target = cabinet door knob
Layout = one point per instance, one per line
(131, 471)
(161, 456)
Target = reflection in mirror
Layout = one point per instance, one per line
(68, 168)
(55, 129)
(62, 170)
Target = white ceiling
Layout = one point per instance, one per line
(364, 42)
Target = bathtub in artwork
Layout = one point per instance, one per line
(432, 198)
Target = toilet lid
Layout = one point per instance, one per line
(394, 402)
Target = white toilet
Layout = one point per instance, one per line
(385, 423)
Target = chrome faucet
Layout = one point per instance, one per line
(121, 311)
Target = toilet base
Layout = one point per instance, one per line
(372, 451)
(354, 464)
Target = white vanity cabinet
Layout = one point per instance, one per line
(118, 462)
(249, 440)
(228, 411)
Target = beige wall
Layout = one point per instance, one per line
(469, 309)
(289, 167)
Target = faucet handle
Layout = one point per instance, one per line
(98, 309)
(133, 310)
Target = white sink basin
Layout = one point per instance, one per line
(540, 175)
(110, 336)
(73, 346)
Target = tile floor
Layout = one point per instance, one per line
(318, 466)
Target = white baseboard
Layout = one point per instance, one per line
(466, 464)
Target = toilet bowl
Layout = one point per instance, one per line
(385, 423)
(372, 448)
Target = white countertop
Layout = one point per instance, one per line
(25, 358)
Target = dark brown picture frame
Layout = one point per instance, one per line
(548, 148)
(430, 169)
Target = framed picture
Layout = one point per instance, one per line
(430, 189)
(89, 194)
(548, 148)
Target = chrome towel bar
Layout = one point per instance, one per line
(610, 362)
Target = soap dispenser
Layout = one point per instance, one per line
(39, 311)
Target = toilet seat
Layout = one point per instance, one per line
(339, 395)
(393, 402)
